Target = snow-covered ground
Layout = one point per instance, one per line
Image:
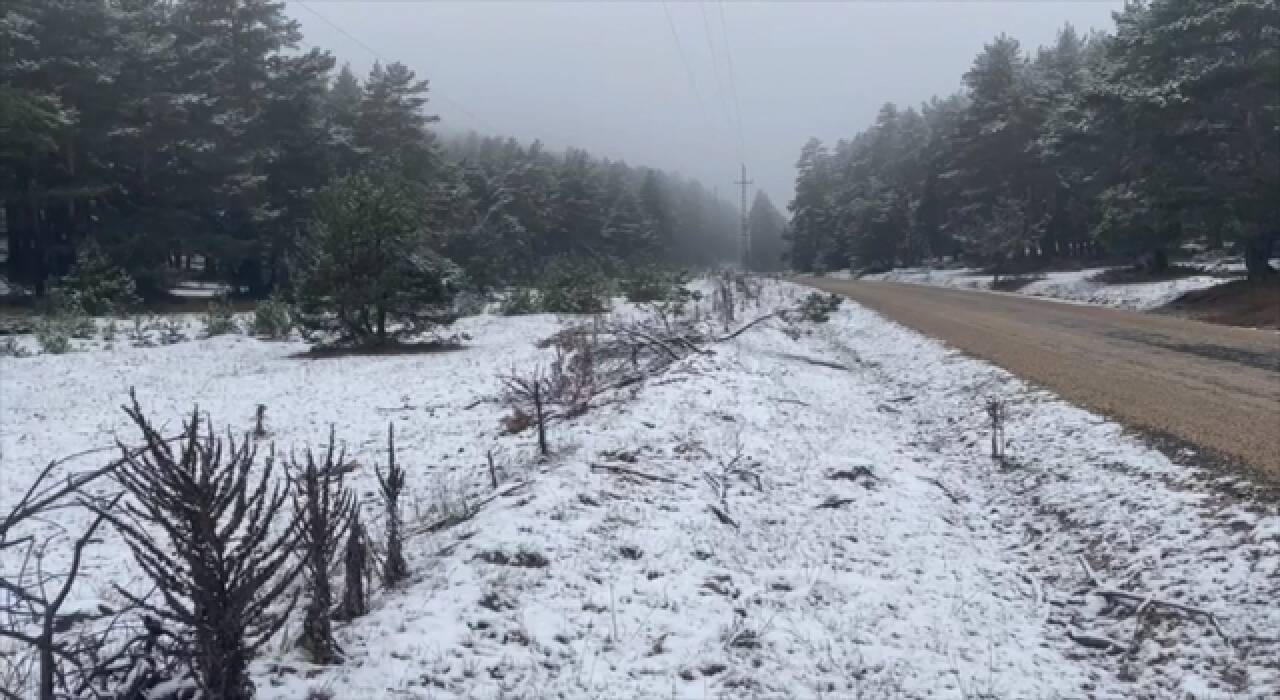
(876, 550)
(1074, 286)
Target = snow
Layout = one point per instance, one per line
(938, 572)
(200, 290)
(1077, 286)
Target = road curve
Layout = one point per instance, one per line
(1214, 386)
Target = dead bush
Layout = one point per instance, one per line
(199, 523)
(395, 569)
(355, 558)
(527, 395)
(323, 508)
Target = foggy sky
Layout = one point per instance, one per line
(608, 76)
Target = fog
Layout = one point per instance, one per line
(615, 79)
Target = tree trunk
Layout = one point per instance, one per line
(46, 660)
(1154, 262)
(39, 262)
(1257, 256)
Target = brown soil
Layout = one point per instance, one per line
(1239, 303)
(1217, 387)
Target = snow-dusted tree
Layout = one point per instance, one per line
(656, 202)
(1193, 82)
(811, 214)
(484, 236)
(627, 233)
(369, 274)
(765, 227)
(300, 159)
(995, 156)
(579, 216)
(391, 128)
(56, 107)
(342, 110)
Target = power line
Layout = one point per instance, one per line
(378, 54)
(715, 63)
(684, 60)
(733, 81)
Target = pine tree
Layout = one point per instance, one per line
(997, 167)
(342, 109)
(765, 228)
(810, 209)
(301, 162)
(391, 128)
(1194, 81)
(369, 275)
(56, 105)
(579, 217)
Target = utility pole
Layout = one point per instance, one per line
(746, 242)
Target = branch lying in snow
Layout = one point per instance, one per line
(459, 518)
(631, 472)
(1091, 577)
(723, 517)
(1145, 603)
(750, 325)
(1095, 641)
(954, 498)
(856, 473)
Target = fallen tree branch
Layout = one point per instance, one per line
(723, 516)
(1142, 603)
(748, 327)
(458, 518)
(1093, 641)
(1149, 602)
(1088, 572)
(946, 491)
(853, 474)
(631, 472)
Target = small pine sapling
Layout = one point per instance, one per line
(172, 332)
(272, 319)
(220, 319)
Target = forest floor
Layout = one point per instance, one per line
(870, 547)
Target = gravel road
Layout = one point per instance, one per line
(1213, 386)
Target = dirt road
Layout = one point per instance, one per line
(1214, 386)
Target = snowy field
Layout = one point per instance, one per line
(1074, 286)
(874, 549)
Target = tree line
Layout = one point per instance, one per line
(195, 139)
(1122, 144)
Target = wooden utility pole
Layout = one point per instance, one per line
(746, 242)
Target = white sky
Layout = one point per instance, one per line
(607, 76)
